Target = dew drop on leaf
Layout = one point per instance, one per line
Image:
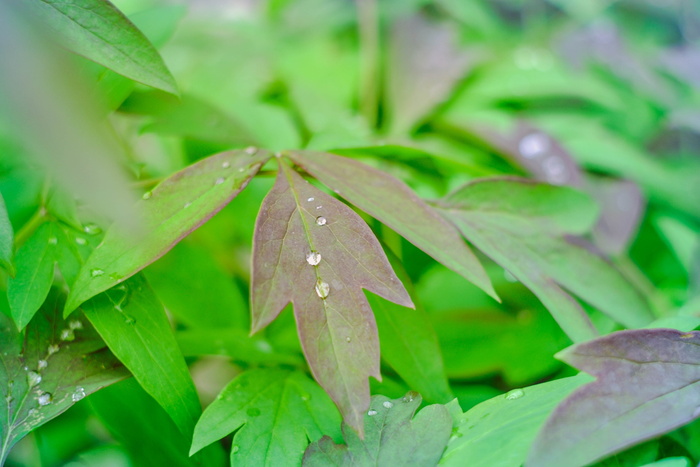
(53, 240)
(313, 258)
(319, 207)
(41, 364)
(320, 220)
(225, 165)
(322, 288)
(388, 404)
(348, 339)
(251, 150)
(533, 145)
(75, 324)
(92, 229)
(515, 394)
(45, 398)
(219, 181)
(372, 413)
(33, 378)
(147, 195)
(234, 449)
(78, 394)
(410, 396)
(310, 199)
(96, 272)
(80, 241)
(53, 348)
(67, 335)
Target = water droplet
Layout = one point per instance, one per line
(41, 364)
(372, 413)
(515, 394)
(67, 335)
(9, 398)
(45, 398)
(348, 339)
(147, 195)
(187, 205)
(322, 288)
(533, 145)
(687, 335)
(32, 412)
(225, 165)
(410, 396)
(319, 207)
(78, 394)
(219, 181)
(53, 348)
(388, 404)
(241, 169)
(75, 324)
(92, 229)
(33, 378)
(96, 272)
(234, 449)
(310, 199)
(320, 220)
(251, 150)
(80, 241)
(53, 240)
(555, 171)
(253, 412)
(313, 258)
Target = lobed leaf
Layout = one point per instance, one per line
(133, 323)
(522, 226)
(500, 431)
(393, 436)
(647, 383)
(314, 251)
(35, 271)
(393, 203)
(47, 369)
(176, 207)
(97, 30)
(6, 239)
(277, 412)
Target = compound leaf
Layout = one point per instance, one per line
(314, 251)
(173, 209)
(392, 436)
(48, 368)
(523, 225)
(97, 30)
(647, 383)
(277, 412)
(396, 205)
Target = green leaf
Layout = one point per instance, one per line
(145, 430)
(133, 323)
(393, 203)
(523, 225)
(49, 368)
(393, 436)
(35, 269)
(6, 239)
(499, 431)
(314, 251)
(97, 30)
(647, 383)
(277, 412)
(177, 206)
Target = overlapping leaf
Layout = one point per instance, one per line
(393, 203)
(6, 239)
(647, 384)
(392, 436)
(133, 323)
(176, 207)
(523, 226)
(499, 431)
(97, 30)
(277, 412)
(49, 368)
(314, 251)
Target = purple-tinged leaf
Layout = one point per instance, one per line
(173, 209)
(393, 436)
(622, 206)
(396, 205)
(648, 383)
(316, 252)
(523, 226)
(48, 369)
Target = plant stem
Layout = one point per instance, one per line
(368, 29)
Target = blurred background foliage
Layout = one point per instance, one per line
(601, 95)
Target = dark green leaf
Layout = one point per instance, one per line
(6, 239)
(35, 268)
(97, 30)
(174, 208)
(49, 368)
(134, 325)
(314, 251)
(499, 431)
(393, 203)
(277, 412)
(392, 436)
(646, 385)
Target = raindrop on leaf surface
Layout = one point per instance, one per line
(388, 404)
(320, 220)
(322, 288)
(313, 258)
(515, 394)
(533, 145)
(372, 413)
(96, 272)
(92, 229)
(78, 394)
(67, 335)
(219, 181)
(45, 399)
(33, 378)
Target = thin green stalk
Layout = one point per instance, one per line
(368, 29)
